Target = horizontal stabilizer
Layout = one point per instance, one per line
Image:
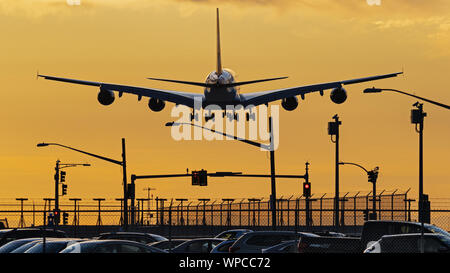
(217, 85)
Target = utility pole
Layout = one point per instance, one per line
(417, 118)
(60, 177)
(56, 212)
(333, 130)
(273, 196)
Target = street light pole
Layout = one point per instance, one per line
(273, 196)
(379, 90)
(121, 163)
(269, 147)
(57, 177)
(417, 118)
(372, 178)
(333, 130)
(125, 197)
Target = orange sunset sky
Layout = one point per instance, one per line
(311, 41)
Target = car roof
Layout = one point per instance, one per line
(274, 232)
(127, 233)
(238, 229)
(406, 235)
(203, 239)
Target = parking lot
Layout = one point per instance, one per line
(375, 237)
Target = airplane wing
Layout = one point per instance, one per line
(257, 98)
(183, 98)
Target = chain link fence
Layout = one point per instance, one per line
(291, 212)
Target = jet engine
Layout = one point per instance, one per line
(105, 97)
(338, 95)
(156, 104)
(289, 104)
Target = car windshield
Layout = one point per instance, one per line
(53, 247)
(227, 235)
(25, 247)
(438, 230)
(13, 245)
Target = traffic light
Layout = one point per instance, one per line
(306, 189)
(56, 216)
(131, 191)
(62, 177)
(65, 218)
(372, 175)
(195, 178)
(203, 178)
(64, 189)
(200, 178)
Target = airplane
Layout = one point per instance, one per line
(221, 89)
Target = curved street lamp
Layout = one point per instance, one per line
(117, 162)
(372, 178)
(379, 90)
(268, 147)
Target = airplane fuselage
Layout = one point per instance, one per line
(221, 95)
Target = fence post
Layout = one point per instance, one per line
(392, 205)
(379, 204)
(321, 208)
(297, 202)
(212, 213)
(354, 209)
(187, 213)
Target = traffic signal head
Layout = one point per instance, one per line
(306, 189)
(203, 178)
(64, 189)
(195, 178)
(65, 218)
(372, 176)
(62, 176)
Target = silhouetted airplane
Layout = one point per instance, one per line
(221, 89)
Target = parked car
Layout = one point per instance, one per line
(201, 245)
(232, 234)
(254, 242)
(110, 246)
(168, 244)
(53, 246)
(223, 247)
(327, 244)
(284, 247)
(29, 245)
(139, 237)
(11, 246)
(8, 235)
(411, 243)
(372, 231)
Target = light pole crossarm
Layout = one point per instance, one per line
(68, 165)
(254, 143)
(83, 152)
(377, 90)
(349, 163)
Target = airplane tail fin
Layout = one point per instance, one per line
(219, 57)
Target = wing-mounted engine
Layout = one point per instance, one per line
(290, 103)
(156, 104)
(105, 97)
(338, 95)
